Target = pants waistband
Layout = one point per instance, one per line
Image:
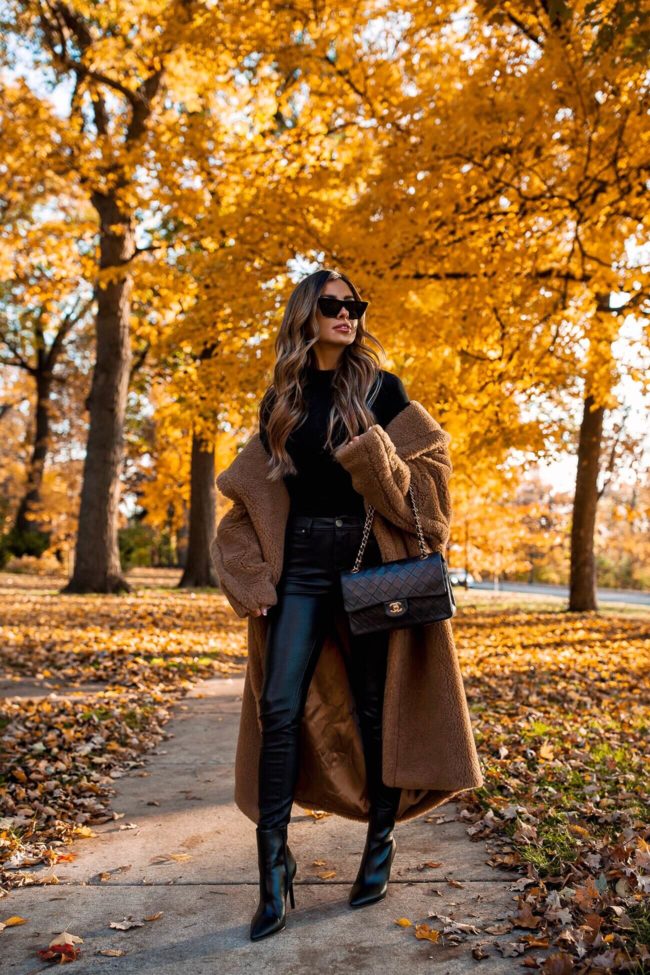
(326, 522)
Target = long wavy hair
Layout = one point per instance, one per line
(283, 405)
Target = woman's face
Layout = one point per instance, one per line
(336, 333)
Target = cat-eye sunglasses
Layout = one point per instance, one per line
(330, 307)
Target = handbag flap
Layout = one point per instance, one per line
(403, 578)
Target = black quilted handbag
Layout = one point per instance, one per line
(399, 594)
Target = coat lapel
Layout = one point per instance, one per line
(413, 431)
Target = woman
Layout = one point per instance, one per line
(328, 717)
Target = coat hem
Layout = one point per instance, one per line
(364, 818)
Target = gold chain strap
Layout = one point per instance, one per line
(366, 532)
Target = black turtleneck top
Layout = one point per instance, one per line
(322, 486)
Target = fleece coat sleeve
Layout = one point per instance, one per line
(383, 478)
(244, 576)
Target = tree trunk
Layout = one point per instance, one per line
(199, 568)
(582, 586)
(28, 535)
(97, 558)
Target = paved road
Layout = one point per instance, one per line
(603, 595)
(179, 808)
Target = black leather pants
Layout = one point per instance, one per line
(309, 591)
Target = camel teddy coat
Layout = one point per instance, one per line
(428, 744)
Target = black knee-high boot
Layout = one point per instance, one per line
(277, 867)
(371, 883)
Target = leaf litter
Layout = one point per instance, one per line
(559, 705)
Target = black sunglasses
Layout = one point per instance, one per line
(330, 307)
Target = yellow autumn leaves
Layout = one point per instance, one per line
(421, 930)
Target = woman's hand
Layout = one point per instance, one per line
(262, 611)
(361, 434)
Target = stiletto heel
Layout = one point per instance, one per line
(293, 903)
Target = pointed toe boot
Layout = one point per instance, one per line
(374, 871)
(277, 866)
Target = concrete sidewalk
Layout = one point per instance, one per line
(180, 811)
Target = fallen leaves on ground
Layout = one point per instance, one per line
(127, 923)
(62, 948)
(327, 874)
(171, 858)
(12, 922)
(560, 711)
(102, 673)
(559, 705)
